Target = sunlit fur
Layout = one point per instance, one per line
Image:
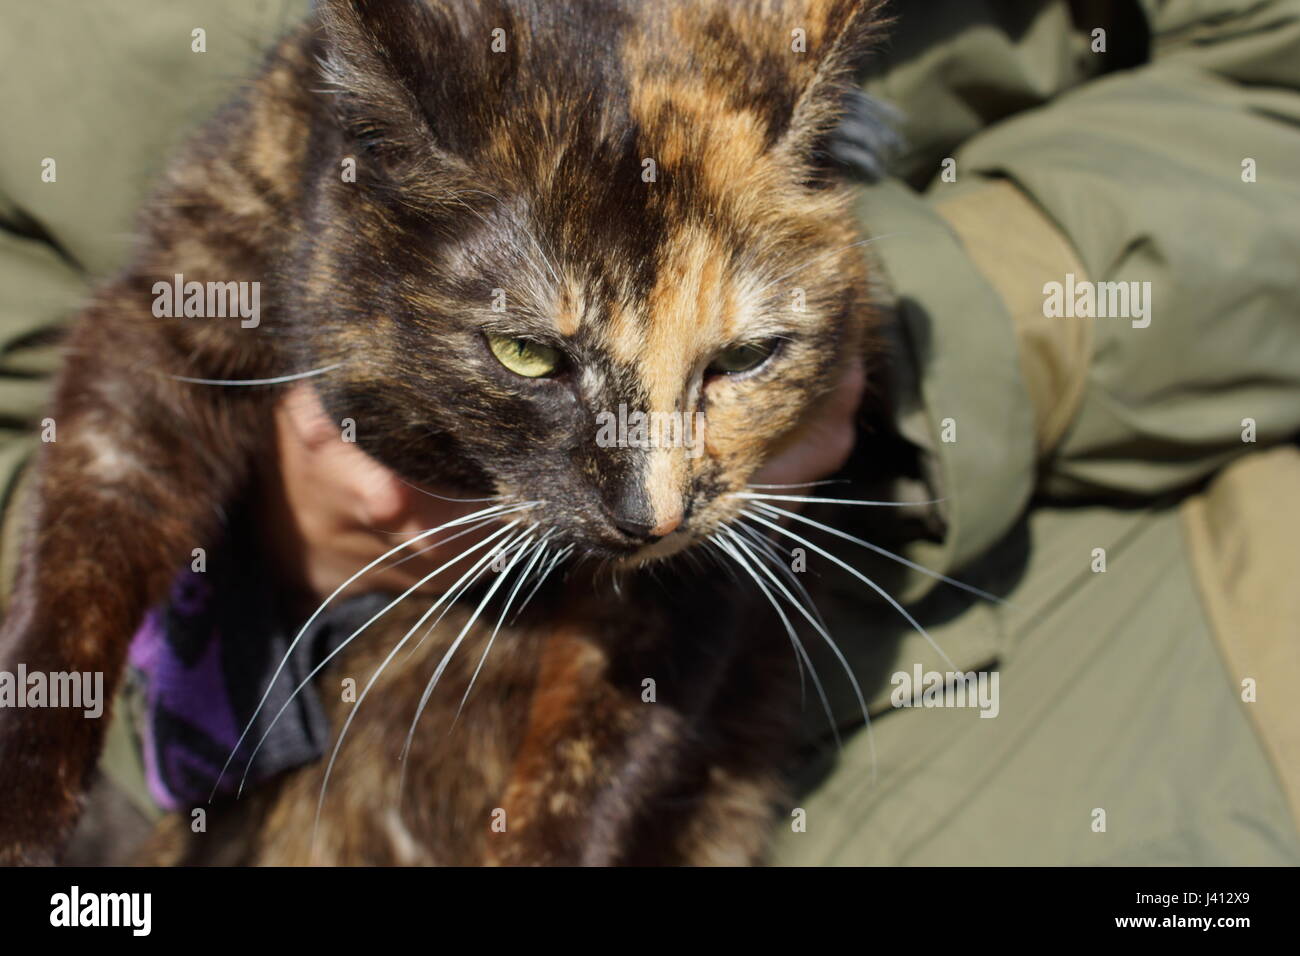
(519, 183)
(515, 178)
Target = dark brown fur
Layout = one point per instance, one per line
(555, 746)
(476, 171)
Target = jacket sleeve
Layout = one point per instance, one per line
(106, 94)
(37, 289)
(1180, 173)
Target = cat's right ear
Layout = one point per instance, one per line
(376, 56)
(831, 118)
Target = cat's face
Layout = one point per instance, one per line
(597, 269)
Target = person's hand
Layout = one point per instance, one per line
(329, 509)
(823, 442)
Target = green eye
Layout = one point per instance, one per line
(743, 358)
(529, 359)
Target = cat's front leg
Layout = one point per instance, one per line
(613, 756)
(127, 484)
(573, 793)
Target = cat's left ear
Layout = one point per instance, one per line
(375, 56)
(829, 45)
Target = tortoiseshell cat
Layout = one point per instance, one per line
(644, 184)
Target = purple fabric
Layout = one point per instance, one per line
(203, 662)
(176, 690)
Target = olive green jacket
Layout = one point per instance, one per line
(1126, 485)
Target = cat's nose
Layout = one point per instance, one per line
(645, 530)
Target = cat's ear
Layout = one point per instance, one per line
(829, 43)
(376, 55)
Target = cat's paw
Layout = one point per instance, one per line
(26, 854)
(38, 809)
(33, 827)
(32, 824)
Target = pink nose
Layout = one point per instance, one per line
(667, 526)
(646, 531)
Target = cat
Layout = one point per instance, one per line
(557, 209)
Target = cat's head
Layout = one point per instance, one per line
(591, 254)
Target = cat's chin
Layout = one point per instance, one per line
(666, 547)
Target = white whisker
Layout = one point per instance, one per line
(338, 743)
(861, 577)
(807, 484)
(278, 380)
(800, 650)
(774, 558)
(332, 654)
(834, 501)
(560, 556)
(438, 544)
(454, 595)
(830, 642)
(538, 550)
(446, 659)
(494, 512)
(422, 491)
(978, 592)
(467, 582)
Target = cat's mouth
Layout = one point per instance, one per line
(665, 547)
